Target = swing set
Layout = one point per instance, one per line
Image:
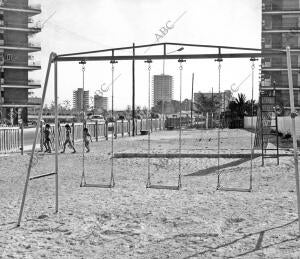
(89, 56)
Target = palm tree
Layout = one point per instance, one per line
(241, 104)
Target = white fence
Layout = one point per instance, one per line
(10, 139)
(284, 124)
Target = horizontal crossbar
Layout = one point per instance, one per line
(97, 185)
(233, 189)
(41, 176)
(167, 187)
(182, 155)
(162, 57)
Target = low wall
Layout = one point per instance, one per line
(284, 124)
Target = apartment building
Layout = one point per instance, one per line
(17, 30)
(281, 28)
(78, 102)
(100, 103)
(162, 88)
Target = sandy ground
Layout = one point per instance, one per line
(131, 221)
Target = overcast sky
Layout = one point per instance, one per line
(76, 25)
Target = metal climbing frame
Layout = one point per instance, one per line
(268, 123)
(97, 55)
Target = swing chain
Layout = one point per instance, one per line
(83, 62)
(148, 183)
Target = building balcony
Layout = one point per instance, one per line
(24, 84)
(278, 9)
(30, 27)
(290, 27)
(292, 30)
(30, 9)
(26, 46)
(30, 65)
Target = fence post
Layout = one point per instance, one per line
(73, 133)
(106, 130)
(116, 129)
(41, 137)
(22, 139)
(96, 131)
(128, 121)
(151, 124)
(122, 128)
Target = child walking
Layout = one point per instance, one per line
(47, 140)
(86, 134)
(68, 140)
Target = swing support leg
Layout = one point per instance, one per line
(293, 115)
(51, 58)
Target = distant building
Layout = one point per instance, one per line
(16, 30)
(162, 89)
(78, 102)
(100, 103)
(223, 98)
(35, 102)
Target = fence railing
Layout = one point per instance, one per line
(102, 130)
(11, 139)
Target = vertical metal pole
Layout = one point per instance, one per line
(148, 184)
(192, 98)
(83, 181)
(262, 131)
(293, 115)
(56, 136)
(180, 125)
(219, 70)
(133, 90)
(162, 87)
(252, 114)
(22, 139)
(276, 122)
(52, 56)
(112, 180)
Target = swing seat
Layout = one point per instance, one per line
(233, 189)
(97, 185)
(161, 187)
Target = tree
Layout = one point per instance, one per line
(206, 104)
(241, 107)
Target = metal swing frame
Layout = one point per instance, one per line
(91, 56)
(237, 189)
(149, 184)
(83, 182)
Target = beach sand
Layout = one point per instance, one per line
(130, 221)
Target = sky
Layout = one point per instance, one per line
(76, 25)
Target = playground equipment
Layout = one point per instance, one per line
(89, 56)
(149, 184)
(83, 182)
(219, 186)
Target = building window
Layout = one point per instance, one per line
(298, 99)
(9, 57)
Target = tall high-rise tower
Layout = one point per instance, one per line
(77, 99)
(162, 88)
(281, 28)
(17, 28)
